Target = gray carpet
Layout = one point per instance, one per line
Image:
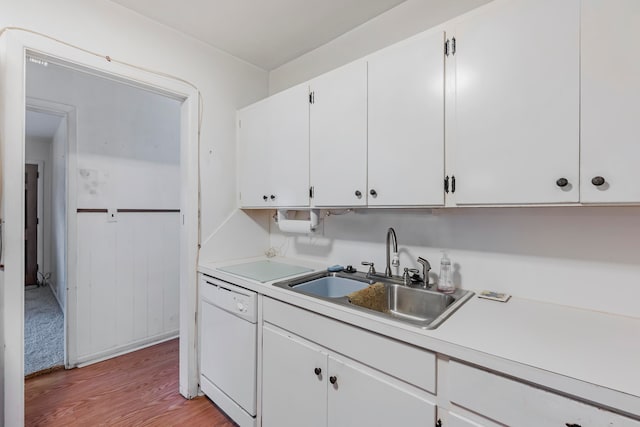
(43, 330)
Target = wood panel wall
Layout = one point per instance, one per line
(128, 281)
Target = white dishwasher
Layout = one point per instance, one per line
(228, 350)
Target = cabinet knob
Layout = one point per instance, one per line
(562, 182)
(439, 423)
(597, 181)
(333, 380)
(358, 194)
(265, 198)
(273, 197)
(373, 192)
(317, 371)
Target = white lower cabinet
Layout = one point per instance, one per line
(305, 384)
(292, 391)
(363, 397)
(320, 372)
(510, 402)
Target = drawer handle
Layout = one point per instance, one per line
(317, 371)
(333, 380)
(572, 425)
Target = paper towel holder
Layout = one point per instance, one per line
(296, 225)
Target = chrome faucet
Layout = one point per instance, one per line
(391, 237)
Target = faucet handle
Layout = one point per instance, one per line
(372, 270)
(408, 275)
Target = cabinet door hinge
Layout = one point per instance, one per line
(312, 97)
(311, 192)
(453, 46)
(447, 43)
(446, 184)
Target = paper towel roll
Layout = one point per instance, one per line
(296, 225)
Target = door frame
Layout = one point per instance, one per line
(14, 46)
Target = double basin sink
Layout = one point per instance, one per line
(420, 307)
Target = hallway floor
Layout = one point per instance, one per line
(43, 330)
(136, 389)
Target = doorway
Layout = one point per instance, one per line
(44, 331)
(14, 44)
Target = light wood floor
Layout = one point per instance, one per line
(137, 389)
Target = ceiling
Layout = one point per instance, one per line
(266, 33)
(41, 125)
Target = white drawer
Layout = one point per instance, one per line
(514, 403)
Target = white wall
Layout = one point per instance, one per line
(128, 280)
(128, 139)
(579, 256)
(399, 23)
(38, 150)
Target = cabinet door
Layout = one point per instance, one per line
(362, 397)
(253, 168)
(610, 145)
(406, 123)
(516, 124)
(292, 393)
(274, 150)
(339, 137)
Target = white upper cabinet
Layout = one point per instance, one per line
(273, 150)
(610, 125)
(515, 130)
(406, 123)
(338, 137)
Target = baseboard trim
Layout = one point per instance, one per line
(124, 349)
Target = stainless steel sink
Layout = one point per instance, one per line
(424, 308)
(331, 286)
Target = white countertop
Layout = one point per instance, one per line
(592, 355)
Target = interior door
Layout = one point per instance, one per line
(31, 225)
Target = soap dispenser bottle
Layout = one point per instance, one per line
(445, 282)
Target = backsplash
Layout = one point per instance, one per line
(587, 257)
